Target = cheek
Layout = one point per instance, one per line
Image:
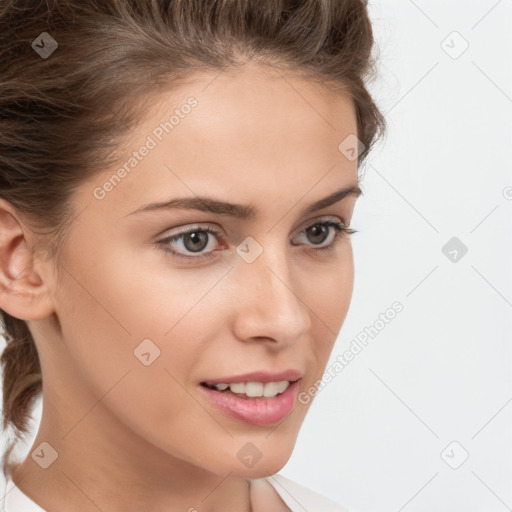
(107, 312)
(328, 299)
(103, 328)
(329, 290)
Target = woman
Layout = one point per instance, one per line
(175, 377)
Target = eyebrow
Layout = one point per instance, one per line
(239, 211)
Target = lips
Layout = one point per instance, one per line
(256, 376)
(247, 404)
(260, 411)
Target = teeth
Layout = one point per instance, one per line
(274, 388)
(255, 389)
(238, 387)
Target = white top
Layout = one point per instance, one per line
(297, 497)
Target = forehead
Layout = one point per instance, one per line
(260, 96)
(246, 132)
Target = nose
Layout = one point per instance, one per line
(268, 301)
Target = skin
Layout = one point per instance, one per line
(132, 437)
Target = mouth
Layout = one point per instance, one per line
(253, 402)
(251, 389)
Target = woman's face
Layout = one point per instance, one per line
(137, 327)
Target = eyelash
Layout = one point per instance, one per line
(341, 231)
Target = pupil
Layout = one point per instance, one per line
(196, 237)
(318, 228)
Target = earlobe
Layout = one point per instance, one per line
(23, 292)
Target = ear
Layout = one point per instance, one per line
(23, 292)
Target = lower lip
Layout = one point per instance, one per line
(255, 410)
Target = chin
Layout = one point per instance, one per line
(272, 460)
(259, 470)
(271, 468)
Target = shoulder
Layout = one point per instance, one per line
(300, 498)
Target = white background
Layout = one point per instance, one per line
(376, 436)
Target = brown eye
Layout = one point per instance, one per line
(194, 240)
(318, 233)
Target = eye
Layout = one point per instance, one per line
(194, 240)
(320, 231)
(197, 239)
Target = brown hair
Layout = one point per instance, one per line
(63, 116)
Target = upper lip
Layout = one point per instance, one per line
(257, 376)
